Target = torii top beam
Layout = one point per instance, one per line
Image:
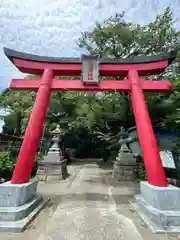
(147, 65)
(144, 65)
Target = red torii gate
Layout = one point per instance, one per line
(90, 68)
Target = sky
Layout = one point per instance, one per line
(52, 27)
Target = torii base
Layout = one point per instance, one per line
(19, 205)
(159, 207)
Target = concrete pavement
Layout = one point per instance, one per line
(88, 211)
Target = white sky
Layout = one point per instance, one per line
(2, 112)
(52, 27)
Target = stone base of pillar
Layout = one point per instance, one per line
(19, 204)
(52, 169)
(123, 172)
(159, 207)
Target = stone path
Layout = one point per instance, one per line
(88, 211)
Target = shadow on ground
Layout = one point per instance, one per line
(89, 197)
(99, 162)
(105, 166)
(77, 161)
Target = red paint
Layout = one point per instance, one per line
(90, 70)
(155, 86)
(154, 170)
(103, 86)
(72, 85)
(25, 161)
(21, 84)
(70, 69)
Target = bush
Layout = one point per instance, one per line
(14, 150)
(140, 169)
(176, 149)
(6, 166)
(39, 157)
(34, 170)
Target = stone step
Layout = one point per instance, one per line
(21, 225)
(9, 214)
(161, 217)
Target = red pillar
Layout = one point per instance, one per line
(153, 165)
(25, 161)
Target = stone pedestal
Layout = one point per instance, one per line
(123, 172)
(159, 207)
(19, 205)
(53, 167)
(124, 166)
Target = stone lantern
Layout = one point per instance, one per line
(53, 167)
(125, 163)
(55, 149)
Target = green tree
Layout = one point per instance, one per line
(172, 120)
(19, 105)
(12, 122)
(118, 38)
